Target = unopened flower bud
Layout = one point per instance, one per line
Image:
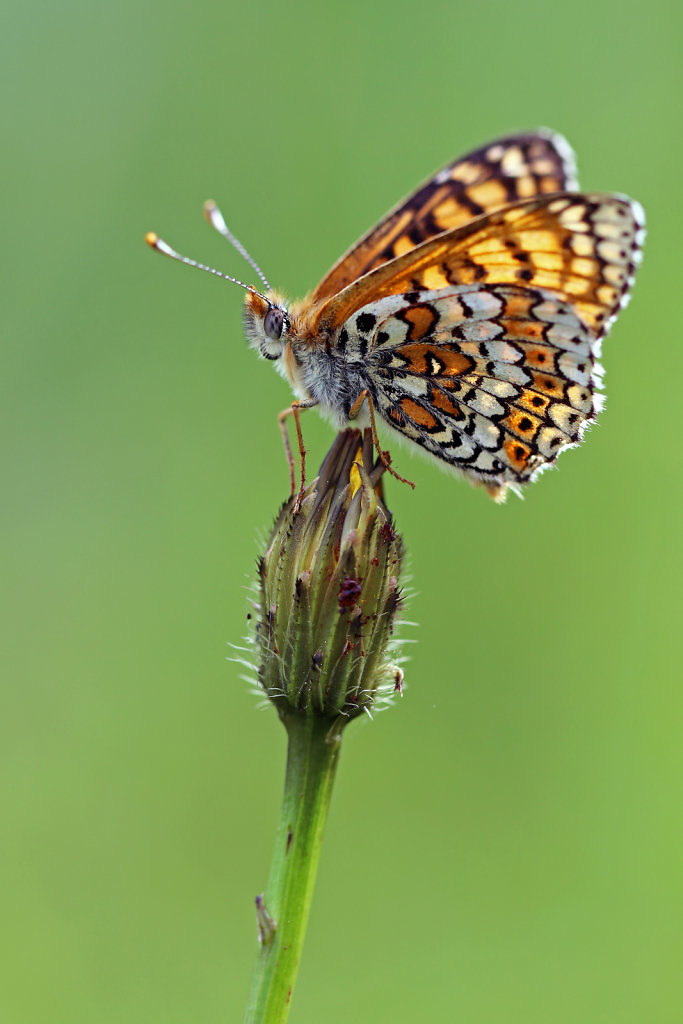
(329, 591)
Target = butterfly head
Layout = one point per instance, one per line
(266, 323)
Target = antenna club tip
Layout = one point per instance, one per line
(210, 211)
(152, 239)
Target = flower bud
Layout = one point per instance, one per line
(329, 591)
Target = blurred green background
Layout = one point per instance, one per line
(503, 846)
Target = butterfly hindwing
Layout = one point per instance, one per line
(494, 380)
(513, 168)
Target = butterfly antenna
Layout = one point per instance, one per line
(217, 221)
(157, 243)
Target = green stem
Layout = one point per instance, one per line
(312, 756)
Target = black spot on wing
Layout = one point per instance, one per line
(365, 322)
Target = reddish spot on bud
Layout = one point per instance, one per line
(348, 593)
(387, 533)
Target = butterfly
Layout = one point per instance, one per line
(469, 321)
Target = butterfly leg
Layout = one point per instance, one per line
(384, 457)
(293, 410)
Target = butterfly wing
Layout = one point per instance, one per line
(516, 167)
(582, 247)
(494, 370)
(495, 380)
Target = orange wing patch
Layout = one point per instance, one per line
(548, 384)
(433, 361)
(522, 424)
(541, 357)
(532, 401)
(444, 403)
(518, 454)
(419, 415)
(422, 320)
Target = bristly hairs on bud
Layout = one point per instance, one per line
(329, 591)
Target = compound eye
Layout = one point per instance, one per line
(273, 323)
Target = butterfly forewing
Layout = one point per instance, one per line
(513, 168)
(582, 247)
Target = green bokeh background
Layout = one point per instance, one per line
(503, 846)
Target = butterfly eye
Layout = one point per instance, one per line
(273, 323)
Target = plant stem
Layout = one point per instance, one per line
(312, 755)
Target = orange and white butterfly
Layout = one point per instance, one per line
(470, 319)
